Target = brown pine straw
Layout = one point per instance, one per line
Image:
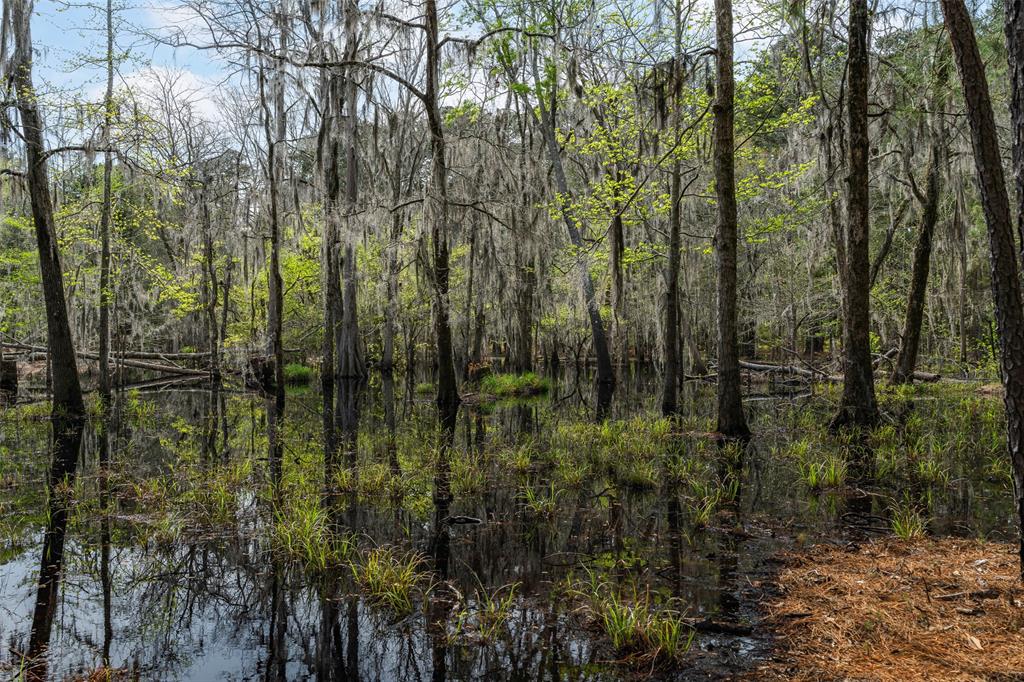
(928, 609)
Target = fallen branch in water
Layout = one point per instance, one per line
(718, 627)
(119, 359)
(819, 375)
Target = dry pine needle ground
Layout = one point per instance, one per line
(929, 609)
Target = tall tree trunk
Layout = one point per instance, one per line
(857, 405)
(732, 423)
(524, 314)
(387, 360)
(470, 281)
(275, 130)
(447, 388)
(1014, 26)
(350, 361)
(906, 361)
(476, 352)
(1006, 290)
(670, 326)
(105, 213)
(67, 391)
(617, 248)
(210, 289)
(328, 150)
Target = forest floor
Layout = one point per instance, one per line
(890, 609)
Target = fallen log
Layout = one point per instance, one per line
(157, 355)
(125, 362)
(151, 366)
(928, 377)
(719, 627)
(789, 369)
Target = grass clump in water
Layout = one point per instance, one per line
(514, 385)
(485, 617)
(389, 577)
(297, 374)
(634, 624)
(303, 531)
(907, 521)
(543, 503)
(829, 472)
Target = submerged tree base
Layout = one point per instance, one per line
(927, 609)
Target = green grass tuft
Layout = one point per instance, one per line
(514, 385)
(297, 374)
(389, 576)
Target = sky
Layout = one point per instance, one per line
(69, 38)
(70, 45)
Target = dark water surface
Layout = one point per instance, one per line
(180, 531)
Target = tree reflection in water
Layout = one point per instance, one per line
(67, 441)
(174, 569)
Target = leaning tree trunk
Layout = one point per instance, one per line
(67, 391)
(857, 405)
(907, 359)
(543, 115)
(68, 409)
(605, 373)
(1006, 290)
(732, 423)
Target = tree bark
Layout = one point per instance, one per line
(732, 423)
(67, 391)
(1004, 266)
(857, 405)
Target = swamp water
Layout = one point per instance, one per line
(545, 546)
